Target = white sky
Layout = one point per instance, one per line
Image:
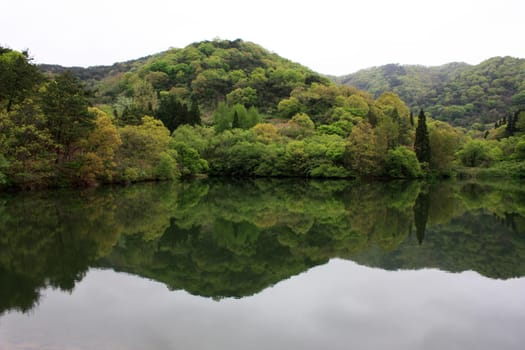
(328, 36)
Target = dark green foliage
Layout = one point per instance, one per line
(518, 100)
(422, 142)
(19, 78)
(65, 105)
(456, 92)
(131, 116)
(235, 122)
(173, 113)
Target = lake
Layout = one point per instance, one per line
(265, 264)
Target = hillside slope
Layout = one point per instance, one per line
(205, 72)
(456, 92)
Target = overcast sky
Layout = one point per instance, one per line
(328, 36)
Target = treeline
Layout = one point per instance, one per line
(458, 93)
(50, 135)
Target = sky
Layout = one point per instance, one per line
(328, 36)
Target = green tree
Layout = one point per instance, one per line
(98, 150)
(362, 151)
(445, 141)
(65, 106)
(235, 123)
(138, 156)
(173, 113)
(4, 164)
(402, 162)
(422, 142)
(478, 153)
(19, 78)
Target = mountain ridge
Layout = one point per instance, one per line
(457, 92)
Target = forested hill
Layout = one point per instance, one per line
(456, 92)
(203, 72)
(232, 108)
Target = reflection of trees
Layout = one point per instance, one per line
(421, 215)
(50, 239)
(221, 238)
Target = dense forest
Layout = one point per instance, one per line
(226, 108)
(464, 95)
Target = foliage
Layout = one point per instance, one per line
(455, 92)
(142, 145)
(422, 142)
(402, 162)
(19, 78)
(444, 141)
(477, 153)
(362, 151)
(4, 164)
(235, 117)
(99, 147)
(311, 128)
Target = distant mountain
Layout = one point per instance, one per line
(456, 92)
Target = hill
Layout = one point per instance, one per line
(456, 92)
(205, 72)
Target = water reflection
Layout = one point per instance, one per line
(232, 239)
(340, 305)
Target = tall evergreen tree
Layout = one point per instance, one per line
(422, 142)
(411, 118)
(65, 105)
(195, 113)
(509, 129)
(236, 124)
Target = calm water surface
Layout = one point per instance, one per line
(265, 264)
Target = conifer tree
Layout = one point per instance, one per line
(509, 129)
(195, 113)
(235, 123)
(422, 142)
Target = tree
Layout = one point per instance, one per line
(235, 122)
(142, 146)
(99, 149)
(477, 153)
(401, 162)
(221, 118)
(362, 151)
(4, 164)
(194, 114)
(172, 112)
(422, 142)
(65, 106)
(19, 78)
(444, 142)
(27, 146)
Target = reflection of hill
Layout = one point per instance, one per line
(222, 238)
(477, 241)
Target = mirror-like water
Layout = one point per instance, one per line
(264, 264)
